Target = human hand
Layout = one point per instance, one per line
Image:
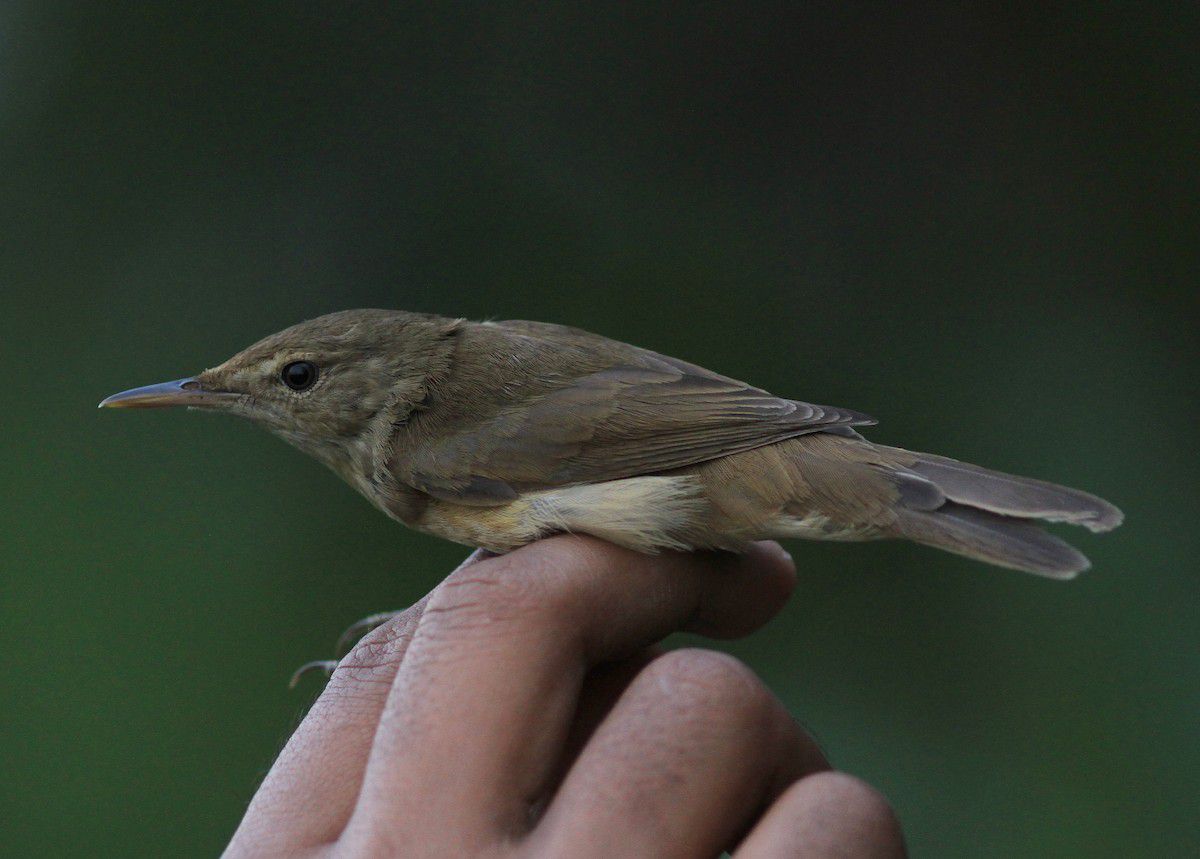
(522, 709)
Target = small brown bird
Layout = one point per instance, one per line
(494, 434)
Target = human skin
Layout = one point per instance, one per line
(523, 708)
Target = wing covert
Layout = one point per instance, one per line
(626, 420)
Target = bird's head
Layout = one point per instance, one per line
(321, 384)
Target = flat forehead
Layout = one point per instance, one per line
(345, 331)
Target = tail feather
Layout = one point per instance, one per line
(985, 514)
(985, 536)
(1011, 495)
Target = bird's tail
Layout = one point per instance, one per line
(987, 515)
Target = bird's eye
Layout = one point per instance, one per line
(299, 375)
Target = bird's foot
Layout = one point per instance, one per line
(345, 642)
(360, 628)
(322, 666)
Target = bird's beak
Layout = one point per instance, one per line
(181, 392)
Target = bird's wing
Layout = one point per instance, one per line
(652, 415)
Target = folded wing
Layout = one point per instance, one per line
(633, 418)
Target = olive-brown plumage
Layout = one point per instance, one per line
(496, 433)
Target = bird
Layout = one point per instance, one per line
(494, 434)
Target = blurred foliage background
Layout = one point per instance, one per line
(977, 224)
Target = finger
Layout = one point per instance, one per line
(484, 698)
(689, 754)
(826, 815)
(309, 793)
(602, 688)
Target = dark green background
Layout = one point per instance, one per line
(978, 226)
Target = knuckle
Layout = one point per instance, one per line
(872, 813)
(723, 688)
(378, 653)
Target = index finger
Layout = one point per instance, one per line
(483, 701)
(310, 791)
